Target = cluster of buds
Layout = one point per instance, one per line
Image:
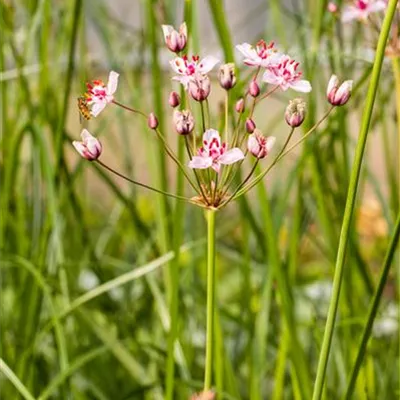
(215, 161)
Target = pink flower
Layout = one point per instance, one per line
(360, 9)
(286, 75)
(187, 69)
(214, 153)
(175, 41)
(332, 7)
(89, 148)
(259, 145)
(263, 55)
(99, 95)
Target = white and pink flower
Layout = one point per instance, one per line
(99, 94)
(263, 55)
(187, 69)
(361, 9)
(90, 147)
(287, 76)
(175, 40)
(213, 153)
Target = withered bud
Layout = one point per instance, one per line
(254, 89)
(152, 121)
(250, 125)
(295, 112)
(239, 106)
(227, 76)
(183, 121)
(174, 99)
(199, 87)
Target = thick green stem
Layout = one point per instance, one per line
(210, 216)
(373, 309)
(350, 203)
(396, 74)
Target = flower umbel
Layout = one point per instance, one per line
(89, 148)
(213, 153)
(99, 94)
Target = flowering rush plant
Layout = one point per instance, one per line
(214, 157)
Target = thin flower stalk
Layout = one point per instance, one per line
(350, 202)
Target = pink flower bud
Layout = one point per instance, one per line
(89, 148)
(250, 125)
(226, 76)
(254, 89)
(174, 99)
(332, 7)
(183, 121)
(338, 95)
(259, 145)
(295, 112)
(200, 87)
(239, 106)
(175, 41)
(152, 121)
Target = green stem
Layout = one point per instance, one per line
(373, 309)
(350, 202)
(396, 74)
(210, 216)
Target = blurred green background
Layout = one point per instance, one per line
(85, 257)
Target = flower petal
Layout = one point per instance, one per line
(167, 29)
(376, 6)
(200, 162)
(112, 82)
(207, 64)
(98, 107)
(80, 148)
(209, 135)
(231, 156)
(247, 50)
(301, 86)
(270, 143)
(270, 77)
(349, 13)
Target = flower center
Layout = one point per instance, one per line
(362, 4)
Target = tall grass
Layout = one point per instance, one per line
(104, 286)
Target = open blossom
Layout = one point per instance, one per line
(89, 148)
(99, 94)
(213, 153)
(187, 69)
(360, 9)
(259, 145)
(286, 75)
(263, 55)
(175, 41)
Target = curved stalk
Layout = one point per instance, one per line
(350, 203)
(141, 184)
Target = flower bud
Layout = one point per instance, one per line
(332, 7)
(183, 121)
(254, 89)
(338, 95)
(199, 87)
(295, 112)
(152, 121)
(259, 145)
(175, 41)
(239, 106)
(226, 76)
(174, 99)
(89, 148)
(250, 125)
